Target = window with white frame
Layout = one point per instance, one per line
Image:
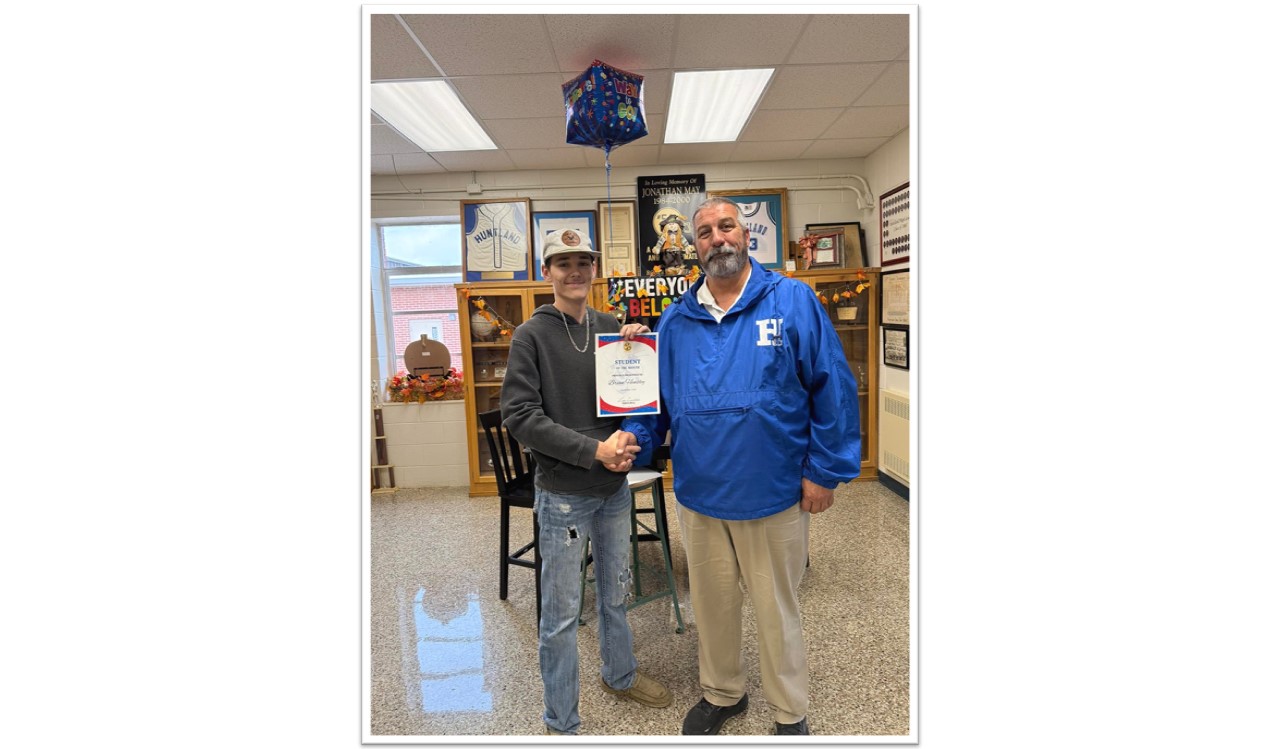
(417, 263)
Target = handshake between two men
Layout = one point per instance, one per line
(618, 452)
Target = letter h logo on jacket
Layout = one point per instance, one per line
(770, 331)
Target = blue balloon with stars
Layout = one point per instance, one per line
(604, 108)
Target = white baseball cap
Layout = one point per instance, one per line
(564, 241)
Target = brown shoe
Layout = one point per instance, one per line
(646, 691)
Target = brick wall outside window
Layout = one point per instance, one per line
(426, 296)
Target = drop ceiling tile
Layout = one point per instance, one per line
(735, 40)
(816, 86)
(543, 132)
(632, 154)
(843, 148)
(485, 44)
(392, 52)
(569, 157)
(623, 41)
(867, 122)
(416, 163)
(694, 153)
(892, 88)
(656, 125)
(384, 139)
(382, 164)
(477, 161)
(770, 150)
(656, 90)
(849, 37)
(512, 96)
(778, 125)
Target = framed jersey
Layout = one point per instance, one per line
(765, 213)
(495, 239)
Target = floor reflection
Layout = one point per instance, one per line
(450, 654)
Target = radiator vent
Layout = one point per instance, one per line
(895, 435)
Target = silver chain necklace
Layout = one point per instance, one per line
(585, 344)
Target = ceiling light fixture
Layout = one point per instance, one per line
(713, 105)
(430, 114)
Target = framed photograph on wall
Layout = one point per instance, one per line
(495, 239)
(895, 297)
(897, 347)
(828, 250)
(855, 253)
(895, 225)
(765, 211)
(546, 222)
(617, 237)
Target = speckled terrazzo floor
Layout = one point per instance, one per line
(449, 658)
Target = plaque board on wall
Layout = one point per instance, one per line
(618, 253)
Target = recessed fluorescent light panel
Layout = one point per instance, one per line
(712, 105)
(430, 114)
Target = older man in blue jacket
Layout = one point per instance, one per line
(763, 415)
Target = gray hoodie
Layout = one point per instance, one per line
(549, 401)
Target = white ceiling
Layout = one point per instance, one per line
(840, 88)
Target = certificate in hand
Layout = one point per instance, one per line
(626, 375)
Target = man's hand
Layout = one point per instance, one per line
(815, 498)
(618, 452)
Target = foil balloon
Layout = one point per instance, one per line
(604, 108)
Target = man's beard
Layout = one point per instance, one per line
(725, 262)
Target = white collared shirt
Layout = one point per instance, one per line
(708, 301)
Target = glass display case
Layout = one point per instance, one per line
(492, 311)
(852, 301)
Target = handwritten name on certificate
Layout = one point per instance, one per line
(626, 375)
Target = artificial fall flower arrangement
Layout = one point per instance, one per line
(845, 294)
(503, 326)
(407, 388)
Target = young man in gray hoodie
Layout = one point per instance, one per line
(580, 481)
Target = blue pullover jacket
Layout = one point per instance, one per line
(754, 402)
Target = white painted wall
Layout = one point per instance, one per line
(808, 200)
(428, 446)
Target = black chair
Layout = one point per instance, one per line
(514, 472)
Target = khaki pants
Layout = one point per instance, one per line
(769, 555)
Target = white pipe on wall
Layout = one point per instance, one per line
(864, 198)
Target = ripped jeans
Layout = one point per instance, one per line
(566, 521)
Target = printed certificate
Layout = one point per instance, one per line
(626, 375)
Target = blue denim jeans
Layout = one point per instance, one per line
(566, 522)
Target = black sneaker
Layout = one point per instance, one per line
(706, 719)
(792, 729)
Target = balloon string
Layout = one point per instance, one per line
(608, 193)
(608, 196)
